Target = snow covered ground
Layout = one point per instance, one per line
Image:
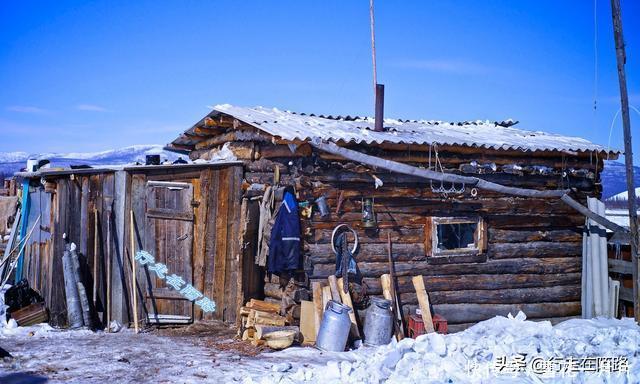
(472, 356)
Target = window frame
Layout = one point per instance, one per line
(479, 236)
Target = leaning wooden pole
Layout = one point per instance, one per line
(133, 273)
(95, 256)
(628, 151)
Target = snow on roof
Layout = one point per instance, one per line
(484, 134)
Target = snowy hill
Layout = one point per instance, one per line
(614, 178)
(11, 162)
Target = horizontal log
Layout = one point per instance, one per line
(267, 151)
(513, 266)
(372, 252)
(533, 249)
(455, 205)
(550, 222)
(469, 313)
(478, 282)
(520, 236)
(500, 296)
(399, 235)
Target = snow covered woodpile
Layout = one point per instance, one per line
(482, 253)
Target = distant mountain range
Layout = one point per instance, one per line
(613, 177)
(11, 162)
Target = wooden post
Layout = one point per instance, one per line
(346, 300)
(423, 301)
(628, 151)
(108, 263)
(95, 256)
(394, 295)
(133, 273)
(333, 285)
(316, 288)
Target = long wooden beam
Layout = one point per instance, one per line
(406, 169)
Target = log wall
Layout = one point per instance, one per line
(532, 260)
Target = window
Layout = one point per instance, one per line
(456, 236)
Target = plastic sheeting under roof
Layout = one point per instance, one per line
(484, 134)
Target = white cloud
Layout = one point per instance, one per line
(443, 66)
(26, 109)
(91, 108)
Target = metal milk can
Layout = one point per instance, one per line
(378, 323)
(335, 327)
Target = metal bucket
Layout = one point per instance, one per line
(335, 327)
(378, 323)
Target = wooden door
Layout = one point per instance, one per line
(169, 238)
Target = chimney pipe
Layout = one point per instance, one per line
(379, 108)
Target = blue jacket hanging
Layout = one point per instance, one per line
(284, 245)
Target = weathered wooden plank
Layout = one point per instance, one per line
(211, 236)
(620, 266)
(169, 214)
(221, 228)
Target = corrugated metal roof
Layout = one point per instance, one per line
(484, 134)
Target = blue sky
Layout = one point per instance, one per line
(85, 76)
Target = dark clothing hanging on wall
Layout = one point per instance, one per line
(284, 246)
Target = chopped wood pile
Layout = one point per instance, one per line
(262, 324)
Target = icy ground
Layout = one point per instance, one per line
(206, 353)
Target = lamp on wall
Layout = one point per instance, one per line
(368, 214)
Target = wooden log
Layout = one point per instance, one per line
(478, 282)
(261, 305)
(376, 252)
(521, 236)
(264, 318)
(562, 293)
(333, 286)
(274, 151)
(316, 288)
(510, 266)
(273, 290)
(248, 334)
(346, 300)
(534, 249)
(423, 301)
(470, 313)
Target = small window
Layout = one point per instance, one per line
(456, 235)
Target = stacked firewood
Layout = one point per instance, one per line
(263, 325)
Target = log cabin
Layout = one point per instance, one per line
(482, 252)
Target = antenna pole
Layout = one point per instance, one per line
(373, 46)
(628, 152)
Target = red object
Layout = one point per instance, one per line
(416, 325)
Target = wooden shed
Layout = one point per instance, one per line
(186, 216)
(483, 253)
